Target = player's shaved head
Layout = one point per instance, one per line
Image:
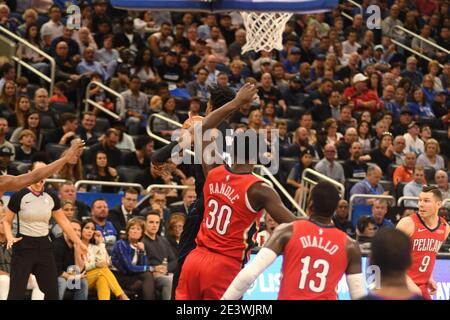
(324, 199)
(391, 252)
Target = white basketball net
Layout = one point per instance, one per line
(264, 30)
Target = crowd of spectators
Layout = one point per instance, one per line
(347, 100)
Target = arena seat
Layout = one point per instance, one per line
(294, 112)
(46, 122)
(54, 150)
(128, 173)
(61, 107)
(439, 135)
(22, 167)
(429, 174)
(101, 125)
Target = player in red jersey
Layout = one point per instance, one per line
(316, 255)
(427, 232)
(234, 200)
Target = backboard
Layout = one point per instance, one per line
(300, 6)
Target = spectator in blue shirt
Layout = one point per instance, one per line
(99, 213)
(292, 63)
(368, 186)
(88, 66)
(130, 260)
(419, 107)
(379, 210)
(428, 88)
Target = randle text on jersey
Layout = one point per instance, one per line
(227, 191)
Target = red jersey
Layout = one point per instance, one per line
(315, 260)
(425, 244)
(228, 215)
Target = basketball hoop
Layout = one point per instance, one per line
(264, 30)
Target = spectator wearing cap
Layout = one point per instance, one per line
(53, 28)
(370, 186)
(318, 68)
(268, 93)
(294, 178)
(6, 168)
(162, 40)
(404, 173)
(413, 142)
(378, 57)
(431, 157)
(89, 66)
(329, 166)
(293, 94)
(411, 72)
(170, 71)
(136, 106)
(265, 66)
(405, 119)
(266, 59)
(362, 97)
(198, 87)
(292, 63)
(128, 38)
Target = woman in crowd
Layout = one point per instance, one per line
(295, 175)
(8, 98)
(130, 260)
(383, 156)
(330, 127)
(255, 120)
(269, 112)
(143, 67)
(364, 136)
(433, 71)
(174, 230)
(165, 128)
(23, 105)
(431, 157)
(419, 106)
(102, 171)
(97, 264)
(72, 171)
(31, 123)
(68, 208)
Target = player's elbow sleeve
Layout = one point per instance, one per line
(356, 285)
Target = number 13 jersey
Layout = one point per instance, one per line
(229, 222)
(315, 259)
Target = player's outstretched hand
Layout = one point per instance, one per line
(75, 150)
(246, 94)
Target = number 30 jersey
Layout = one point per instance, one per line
(425, 244)
(228, 216)
(315, 259)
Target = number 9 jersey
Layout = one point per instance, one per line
(425, 244)
(229, 219)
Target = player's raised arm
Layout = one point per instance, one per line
(14, 183)
(263, 196)
(354, 275)
(265, 257)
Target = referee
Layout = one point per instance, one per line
(32, 251)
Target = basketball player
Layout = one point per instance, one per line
(316, 255)
(233, 199)
(219, 97)
(391, 252)
(427, 232)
